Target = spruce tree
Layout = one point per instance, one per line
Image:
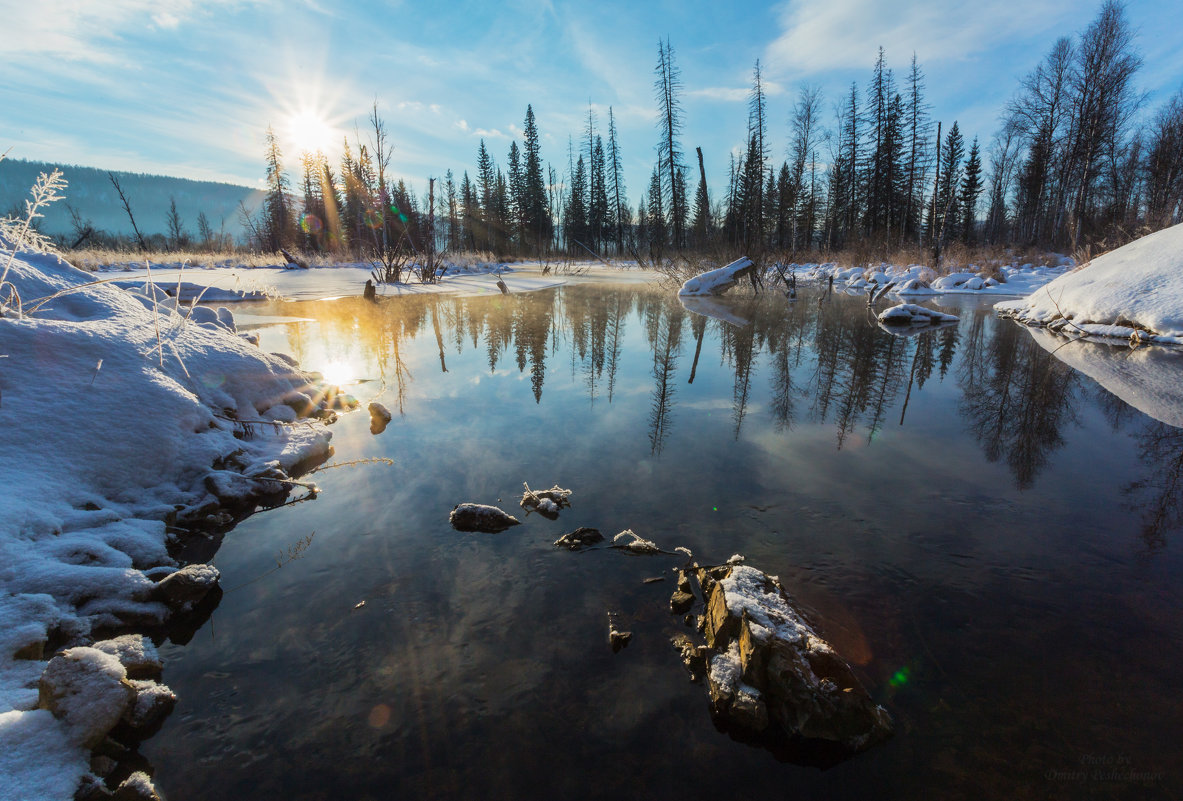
(535, 213)
(971, 187)
(575, 219)
(277, 204)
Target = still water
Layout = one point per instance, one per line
(989, 537)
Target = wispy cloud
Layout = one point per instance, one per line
(81, 30)
(820, 35)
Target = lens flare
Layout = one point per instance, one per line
(310, 223)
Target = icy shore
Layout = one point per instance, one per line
(1134, 292)
(126, 417)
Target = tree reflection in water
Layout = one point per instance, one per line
(1016, 396)
(827, 363)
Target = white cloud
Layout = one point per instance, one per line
(821, 35)
(723, 93)
(82, 30)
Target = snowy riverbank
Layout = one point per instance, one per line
(122, 419)
(1133, 292)
(223, 284)
(917, 280)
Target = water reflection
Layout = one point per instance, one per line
(1017, 397)
(934, 520)
(826, 363)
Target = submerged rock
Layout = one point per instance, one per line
(580, 538)
(769, 673)
(479, 517)
(616, 638)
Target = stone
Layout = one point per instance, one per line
(616, 638)
(88, 690)
(581, 537)
(136, 653)
(769, 671)
(185, 588)
(479, 517)
(380, 417)
(693, 655)
(680, 602)
(152, 704)
(136, 787)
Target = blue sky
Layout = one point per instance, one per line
(188, 87)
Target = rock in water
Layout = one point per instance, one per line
(580, 538)
(380, 417)
(185, 588)
(770, 673)
(478, 517)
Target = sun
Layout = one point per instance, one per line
(309, 132)
(339, 372)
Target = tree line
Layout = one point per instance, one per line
(1071, 166)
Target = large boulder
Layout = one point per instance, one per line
(88, 690)
(770, 673)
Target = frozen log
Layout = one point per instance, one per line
(546, 502)
(718, 281)
(770, 673)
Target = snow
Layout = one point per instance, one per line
(917, 279)
(912, 314)
(135, 652)
(114, 409)
(747, 591)
(718, 281)
(1136, 287)
(37, 759)
(227, 284)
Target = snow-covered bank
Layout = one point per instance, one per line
(226, 284)
(1134, 291)
(118, 413)
(914, 280)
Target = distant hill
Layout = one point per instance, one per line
(91, 194)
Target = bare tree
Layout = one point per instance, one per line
(127, 208)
